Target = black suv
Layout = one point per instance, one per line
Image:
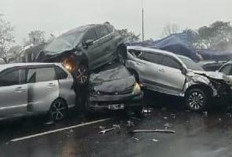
(84, 48)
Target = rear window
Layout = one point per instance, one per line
(60, 73)
(101, 31)
(41, 75)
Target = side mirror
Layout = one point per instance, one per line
(88, 43)
(184, 71)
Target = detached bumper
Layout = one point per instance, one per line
(115, 102)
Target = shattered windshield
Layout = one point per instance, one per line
(190, 64)
(110, 74)
(65, 42)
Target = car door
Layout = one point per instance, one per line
(148, 68)
(172, 78)
(13, 92)
(104, 42)
(93, 50)
(43, 88)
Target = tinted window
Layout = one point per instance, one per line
(170, 62)
(190, 64)
(41, 75)
(101, 31)
(110, 28)
(90, 35)
(12, 77)
(60, 73)
(151, 57)
(226, 70)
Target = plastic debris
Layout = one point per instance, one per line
(130, 123)
(165, 118)
(135, 138)
(173, 115)
(154, 140)
(205, 114)
(106, 130)
(168, 125)
(156, 130)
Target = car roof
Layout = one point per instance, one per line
(6, 66)
(140, 48)
(82, 28)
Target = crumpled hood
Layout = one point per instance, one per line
(213, 75)
(115, 86)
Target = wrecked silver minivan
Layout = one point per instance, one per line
(114, 88)
(167, 73)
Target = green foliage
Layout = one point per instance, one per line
(128, 36)
(216, 36)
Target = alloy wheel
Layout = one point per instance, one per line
(58, 110)
(196, 100)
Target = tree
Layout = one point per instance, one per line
(36, 37)
(128, 36)
(170, 29)
(6, 37)
(216, 36)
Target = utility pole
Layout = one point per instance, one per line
(142, 22)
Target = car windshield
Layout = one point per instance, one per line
(110, 74)
(190, 64)
(65, 42)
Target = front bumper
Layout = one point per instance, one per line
(115, 102)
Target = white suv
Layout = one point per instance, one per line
(177, 75)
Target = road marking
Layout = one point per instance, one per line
(58, 130)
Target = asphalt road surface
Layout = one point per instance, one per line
(206, 134)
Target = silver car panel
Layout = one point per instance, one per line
(34, 97)
(13, 100)
(165, 79)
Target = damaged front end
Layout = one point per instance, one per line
(219, 84)
(114, 89)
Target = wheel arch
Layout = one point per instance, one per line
(204, 87)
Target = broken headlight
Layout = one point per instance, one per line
(136, 89)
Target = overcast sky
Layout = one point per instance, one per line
(59, 15)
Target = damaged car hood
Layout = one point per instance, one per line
(213, 75)
(114, 80)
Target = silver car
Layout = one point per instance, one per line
(31, 88)
(165, 72)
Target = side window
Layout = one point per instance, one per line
(101, 31)
(151, 57)
(12, 77)
(110, 28)
(90, 35)
(60, 73)
(41, 75)
(171, 62)
(226, 70)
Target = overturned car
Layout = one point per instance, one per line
(114, 88)
(167, 73)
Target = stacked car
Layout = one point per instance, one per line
(98, 71)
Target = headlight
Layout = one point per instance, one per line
(136, 89)
(68, 65)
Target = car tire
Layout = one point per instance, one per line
(196, 99)
(58, 110)
(82, 75)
